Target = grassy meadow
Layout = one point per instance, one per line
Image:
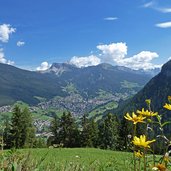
(82, 158)
(71, 159)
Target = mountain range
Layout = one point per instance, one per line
(157, 89)
(66, 87)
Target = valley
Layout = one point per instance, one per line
(64, 87)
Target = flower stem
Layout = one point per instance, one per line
(134, 133)
(139, 164)
(145, 159)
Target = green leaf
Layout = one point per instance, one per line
(14, 166)
(165, 123)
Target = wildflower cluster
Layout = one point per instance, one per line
(143, 145)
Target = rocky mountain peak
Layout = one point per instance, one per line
(59, 68)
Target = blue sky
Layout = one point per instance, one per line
(134, 33)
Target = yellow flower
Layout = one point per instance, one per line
(138, 154)
(141, 142)
(161, 167)
(167, 106)
(146, 112)
(135, 119)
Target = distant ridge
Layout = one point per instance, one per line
(157, 89)
(66, 87)
(18, 84)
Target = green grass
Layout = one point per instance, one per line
(70, 88)
(70, 159)
(129, 85)
(99, 111)
(88, 159)
(104, 94)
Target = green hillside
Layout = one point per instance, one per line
(66, 87)
(157, 89)
(17, 84)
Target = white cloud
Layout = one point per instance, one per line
(154, 5)
(113, 51)
(10, 62)
(20, 43)
(43, 66)
(110, 18)
(3, 59)
(116, 53)
(164, 10)
(169, 58)
(149, 4)
(140, 61)
(2, 56)
(5, 31)
(164, 25)
(91, 60)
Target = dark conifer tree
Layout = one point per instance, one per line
(68, 131)
(108, 132)
(22, 130)
(94, 131)
(54, 128)
(125, 135)
(28, 131)
(6, 131)
(86, 140)
(16, 127)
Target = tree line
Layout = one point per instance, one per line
(108, 133)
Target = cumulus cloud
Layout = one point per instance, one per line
(43, 66)
(116, 54)
(164, 25)
(110, 18)
(5, 31)
(3, 59)
(113, 52)
(20, 43)
(91, 60)
(140, 61)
